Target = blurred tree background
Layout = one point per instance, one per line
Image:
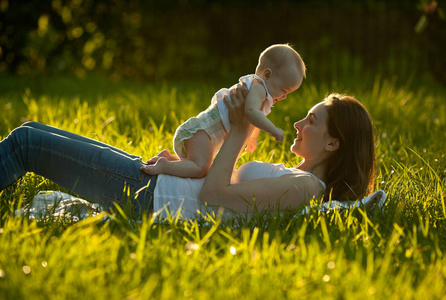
(221, 40)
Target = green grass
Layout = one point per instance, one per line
(396, 253)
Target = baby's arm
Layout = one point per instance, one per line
(253, 105)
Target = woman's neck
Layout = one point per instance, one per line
(316, 168)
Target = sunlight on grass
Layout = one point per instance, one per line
(395, 253)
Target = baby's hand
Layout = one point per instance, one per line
(252, 145)
(279, 135)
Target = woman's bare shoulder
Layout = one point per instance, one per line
(305, 182)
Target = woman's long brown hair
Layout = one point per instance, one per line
(351, 169)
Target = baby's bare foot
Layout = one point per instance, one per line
(158, 168)
(164, 153)
(153, 160)
(168, 155)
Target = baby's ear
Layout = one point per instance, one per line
(267, 73)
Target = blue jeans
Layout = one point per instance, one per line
(91, 169)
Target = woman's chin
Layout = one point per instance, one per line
(295, 148)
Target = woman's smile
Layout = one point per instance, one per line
(298, 137)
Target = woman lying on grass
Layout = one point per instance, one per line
(335, 141)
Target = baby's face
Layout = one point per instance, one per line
(280, 84)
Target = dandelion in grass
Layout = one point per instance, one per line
(44, 264)
(331, 265)
(191, 247)
(26, 269)
(326, 278)
(232, 250)
(2, 273)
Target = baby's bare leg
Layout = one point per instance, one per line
(197, 163)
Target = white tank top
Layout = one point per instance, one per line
(181, 196)
(257, 169)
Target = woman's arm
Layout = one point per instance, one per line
(290, 190)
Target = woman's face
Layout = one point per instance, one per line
(312, 139)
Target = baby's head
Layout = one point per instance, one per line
(282, 69)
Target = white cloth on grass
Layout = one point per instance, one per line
(59, 204)
(378, 199)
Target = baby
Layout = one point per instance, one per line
(280, 71)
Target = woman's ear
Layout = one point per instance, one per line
(267, 73)
(333, 144)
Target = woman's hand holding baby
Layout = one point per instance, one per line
(236, 106)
